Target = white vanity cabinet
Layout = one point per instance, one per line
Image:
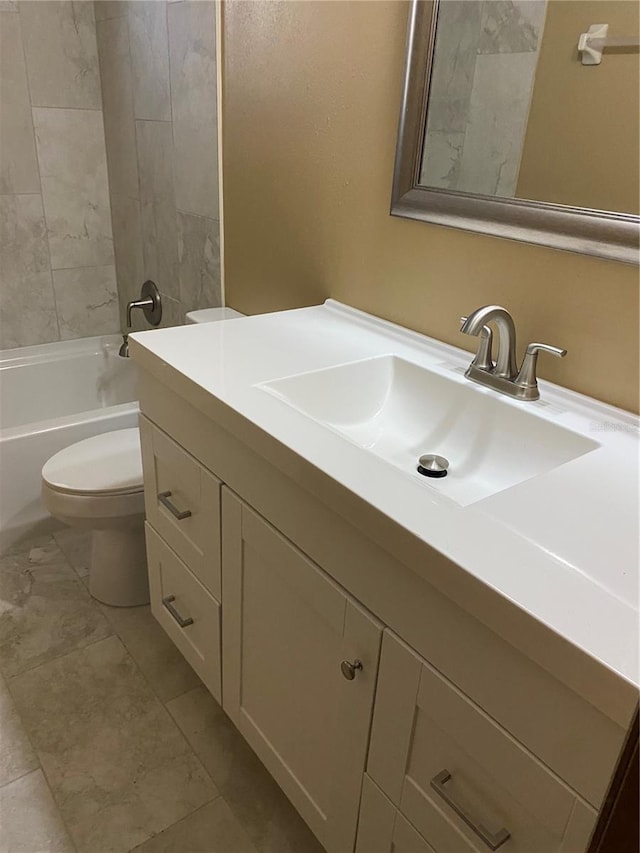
(287, 595)
(300, 661)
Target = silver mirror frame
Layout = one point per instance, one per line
(615, 236)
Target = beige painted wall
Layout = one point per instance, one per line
(581, 146)
(311, 92)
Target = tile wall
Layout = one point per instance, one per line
(486, 55)
(158, 73)
(57, 273)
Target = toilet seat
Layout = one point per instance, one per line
(106, 464)
(97, 482)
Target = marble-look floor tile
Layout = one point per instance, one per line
(18, 164)
(86, 301)
(198, 262)
(212, 829)
(62, 57)
(45, 610)
(118, 766)
(150, 59)
(16, 753)
(27, 308)
(29, 819)
(33, 536)
(258, 803)
(161, 663)
(75, 544)
(73, 169)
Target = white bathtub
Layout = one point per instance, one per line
(52, 395)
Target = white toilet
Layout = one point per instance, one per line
(97, 484)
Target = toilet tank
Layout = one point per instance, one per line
(210, 315)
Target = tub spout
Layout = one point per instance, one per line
(124, 348)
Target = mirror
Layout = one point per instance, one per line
(507, 131)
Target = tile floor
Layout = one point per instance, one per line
(108, 740)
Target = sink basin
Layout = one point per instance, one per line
(399, 411)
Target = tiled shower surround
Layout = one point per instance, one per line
(57, 273)
(158, 70)
(84, 223)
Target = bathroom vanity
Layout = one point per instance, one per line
(422, 665)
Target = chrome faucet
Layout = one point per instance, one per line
(504, 375)
(151, 303)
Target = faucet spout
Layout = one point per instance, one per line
(506, 360)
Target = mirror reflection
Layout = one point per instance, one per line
(513, 112)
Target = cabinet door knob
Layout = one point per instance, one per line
(349, 669)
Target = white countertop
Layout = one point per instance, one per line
(562, 546)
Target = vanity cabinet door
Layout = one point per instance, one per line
(182, 502)
(288, 633)
(461, 780)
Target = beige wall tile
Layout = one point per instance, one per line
(195, 155)
(158, 210)
(198, 261)
(18, 164)
(62, 57)
(73, 169)
(127, 244)
(192, 55)
(27, 308)
(117, 98)
(86, 301)
(150, 59)
(117, 764)
(29, 818)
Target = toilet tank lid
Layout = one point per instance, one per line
(110, 463)
(210, 315)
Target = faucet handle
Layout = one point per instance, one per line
(484, 357)
(526, 377)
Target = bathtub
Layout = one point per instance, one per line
(52, 395)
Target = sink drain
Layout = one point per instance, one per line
(432, 465)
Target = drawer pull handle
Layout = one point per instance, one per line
(493, 841)
(163, 497)
(168, 603)
(349, 669)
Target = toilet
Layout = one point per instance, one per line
(97, 484)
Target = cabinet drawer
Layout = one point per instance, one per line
(382, 829)
(182, 502)
(186, 611)
(460, 779)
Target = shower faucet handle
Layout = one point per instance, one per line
(151, 303)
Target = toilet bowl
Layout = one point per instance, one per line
(96, 484)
